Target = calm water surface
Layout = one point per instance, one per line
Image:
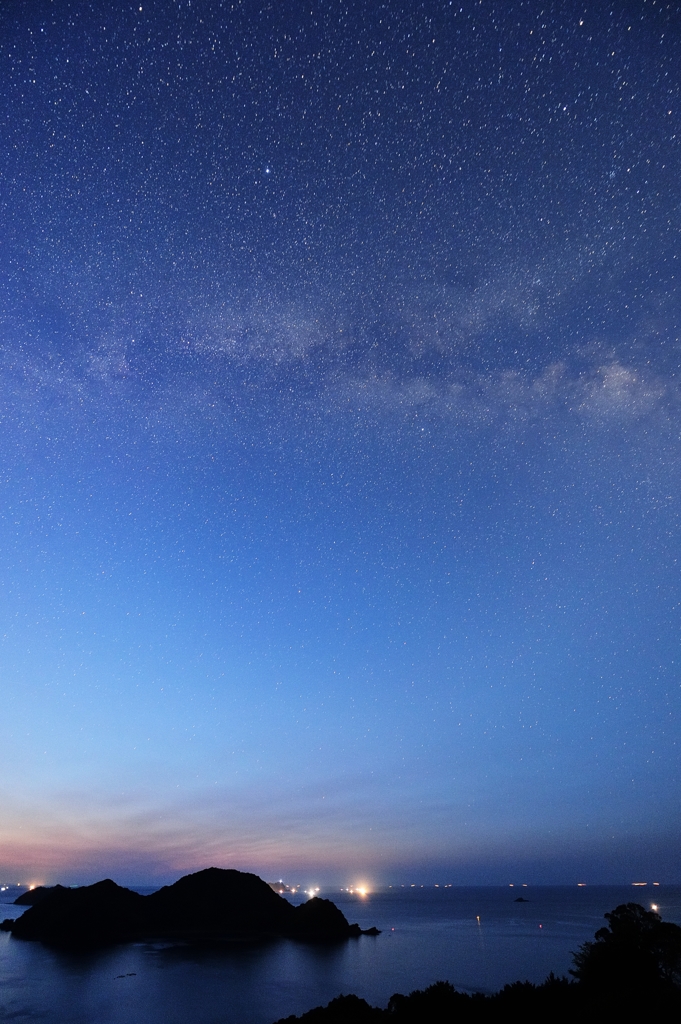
(428, 934)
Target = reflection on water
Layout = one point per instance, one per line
(475, 938)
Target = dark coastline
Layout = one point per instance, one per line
(211, 905)
(263, 981)
(632, 970)
(556, 1000)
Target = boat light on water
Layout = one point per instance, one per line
(359, 890)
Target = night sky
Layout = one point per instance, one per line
(340, 458)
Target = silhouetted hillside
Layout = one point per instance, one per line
(33, 896)
(210, 904)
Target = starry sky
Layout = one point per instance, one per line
(340, 466)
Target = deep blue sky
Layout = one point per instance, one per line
(340, 463)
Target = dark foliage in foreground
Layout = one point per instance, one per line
(341, 1010)
(638, 950)
(631, 971)
(555, 1000)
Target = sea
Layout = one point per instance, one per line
(479, 939)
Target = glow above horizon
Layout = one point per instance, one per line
(340, 442)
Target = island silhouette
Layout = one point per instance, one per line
(214, 904)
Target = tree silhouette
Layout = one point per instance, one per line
(638, 954)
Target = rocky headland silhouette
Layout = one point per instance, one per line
(215, 904)
(33, 896)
